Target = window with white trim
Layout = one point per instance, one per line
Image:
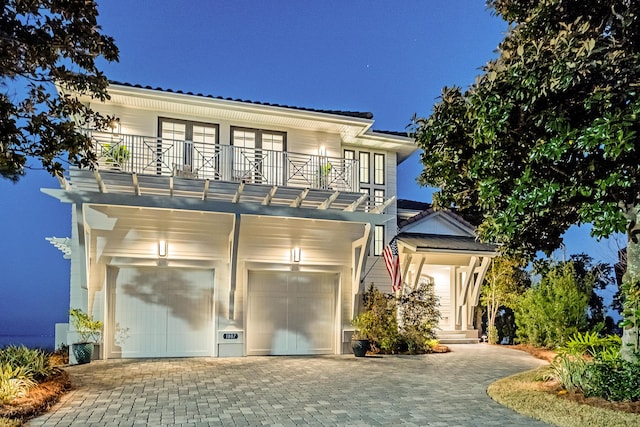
(378, 197)
(378, 240)
(378, 168)
(364, 159)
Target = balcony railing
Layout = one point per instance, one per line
(189, 159)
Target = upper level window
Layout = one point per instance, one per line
(378, 168)
(378, 196)
(364, 167)
(257, 138)
(349, 154)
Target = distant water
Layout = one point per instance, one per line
(32, 341)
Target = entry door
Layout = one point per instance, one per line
(291, 313)
(160, 312)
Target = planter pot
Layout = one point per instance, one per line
(360, 347)
(82, 352)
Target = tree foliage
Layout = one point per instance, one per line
(504, 282)
(556, 308)
(548, 135)
(42, 43)
(591, 276)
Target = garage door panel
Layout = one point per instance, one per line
(268, 313)
(291, 313)
(316, 316)
(161, 313)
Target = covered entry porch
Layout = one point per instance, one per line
(456, 266)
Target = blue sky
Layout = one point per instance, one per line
(388, 57)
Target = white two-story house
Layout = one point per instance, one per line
(219, 227)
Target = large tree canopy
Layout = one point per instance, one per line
(548, 136)
(42, 43)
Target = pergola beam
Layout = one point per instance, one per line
(236, 197)
(354, 206)
(136, 184)
(267, 199)
(298, 200)
(383, 206)
(205, 190)
(327, 203)
(101, 185)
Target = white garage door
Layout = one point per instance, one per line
(291, 313)
(160, 312)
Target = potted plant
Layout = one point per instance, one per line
(360, 343)
(89, 331)
(323, 175)
(116, 154)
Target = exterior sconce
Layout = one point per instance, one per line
(162, 248)
(322, 151)
(295, 254)
(115, 125)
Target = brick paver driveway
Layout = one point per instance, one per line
(435, 390)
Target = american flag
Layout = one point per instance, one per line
(392, 262)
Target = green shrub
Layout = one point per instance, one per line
(593, 364)
(551, 312)
(590, 343)
(35, 363)
(492, 334)
(379, 321)
(569, 370)
(14, 382)
(617, 380)
(418, 316)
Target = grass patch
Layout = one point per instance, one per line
(7, 422)
(527, 394)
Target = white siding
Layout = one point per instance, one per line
(436, 224)
(145, 123)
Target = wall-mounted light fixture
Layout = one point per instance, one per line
(162, 248)
(114, 124)
(295, 254)
(322, 151)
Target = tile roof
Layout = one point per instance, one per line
(356, 114)
(393, 132)
(412, 204)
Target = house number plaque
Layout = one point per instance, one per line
(230, 336)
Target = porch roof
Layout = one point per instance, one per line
(419, 242)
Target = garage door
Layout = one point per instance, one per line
(291, 313)
(160, 312)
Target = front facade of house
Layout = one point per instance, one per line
(217, 227)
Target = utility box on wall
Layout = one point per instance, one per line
(231, 343)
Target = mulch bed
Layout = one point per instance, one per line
(631, 407)
(39, 399)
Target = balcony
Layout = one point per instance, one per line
(145, 155)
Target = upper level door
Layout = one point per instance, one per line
(258, 155)
(188, 148)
